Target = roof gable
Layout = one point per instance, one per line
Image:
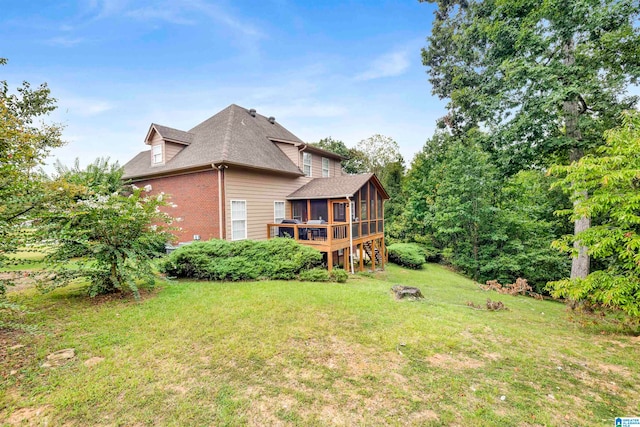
(336, 187)
(169, 134)
(233, 136)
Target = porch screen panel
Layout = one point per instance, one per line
(299, 209)
(319, 210)
(372, 201)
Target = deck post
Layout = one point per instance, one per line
(361, 245)
(373, 254)
(347, 257)
(382, 251)
(329, 260)
(268, 232)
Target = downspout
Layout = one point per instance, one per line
(220, 201)
(350, 236)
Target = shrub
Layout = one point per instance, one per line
(409, 255)
(315, 275)
(277, 258)
(339, 276)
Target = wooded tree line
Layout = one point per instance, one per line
(533, 87)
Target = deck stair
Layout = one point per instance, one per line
(368, 249)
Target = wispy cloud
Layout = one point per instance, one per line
(388, 65)
(64, 41)
(224, 17)
(104, 8)
(159, 14)
(189, 12)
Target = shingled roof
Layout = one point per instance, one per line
(173, 135)
(233, 136)
(336, 187)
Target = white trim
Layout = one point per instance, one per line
(328, 167)
(304, 165)
(245, 217)
(275, 213)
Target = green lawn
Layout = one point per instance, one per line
(291, 353)
(24, 260)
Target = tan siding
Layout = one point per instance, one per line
(291, 151)
(336, 168)
(260, 190)
(171, 149)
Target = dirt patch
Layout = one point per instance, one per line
(21, 279)
(615, 369)
(447, 361)
(353, 358)
(93, 361)
(176, 388)
(30, 416)
(423, 416)
(14, 355)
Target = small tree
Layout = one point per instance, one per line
(612, 181)
(116, 236)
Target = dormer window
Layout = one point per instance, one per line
(325, 167)
(306, 163)
(156, 154)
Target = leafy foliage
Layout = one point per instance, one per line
(242, 260)
(379, 152)
(543, 77)
(23, 147)
(116, 237)
(484, 226)
(409, 255)
(100, 177)
(315, 275)
(354, 159)
(338, 275)
(612, 180)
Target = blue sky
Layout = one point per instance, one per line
(346, 69)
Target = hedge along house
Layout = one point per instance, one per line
(238, 172)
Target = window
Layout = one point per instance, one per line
(278, 212)
(325, 167)
(306, 163)
(156, 151)
(238, 219)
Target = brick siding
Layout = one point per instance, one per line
(196, 195)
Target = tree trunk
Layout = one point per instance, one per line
(571, 110)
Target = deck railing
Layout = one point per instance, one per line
(324, 234)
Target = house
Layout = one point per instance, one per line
(240, 175)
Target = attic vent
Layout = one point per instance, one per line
(252, 112)
(272, 120)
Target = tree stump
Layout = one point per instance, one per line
(409, 292)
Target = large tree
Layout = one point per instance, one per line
(612, 178)
(24, 144)
(545, 78)
(353, 162)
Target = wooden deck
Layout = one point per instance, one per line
(367, 237)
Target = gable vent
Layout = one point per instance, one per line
(252, 112)
(272, 120)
